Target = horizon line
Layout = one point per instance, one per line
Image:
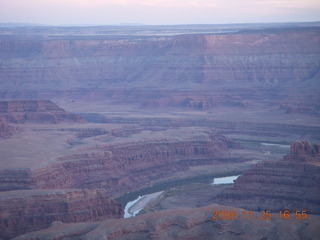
(143, 24)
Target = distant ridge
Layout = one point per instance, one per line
(21, 24)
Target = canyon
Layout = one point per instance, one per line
(245, 68)
(23, 211)
(126, 167)
(288, 184)
(92, 117)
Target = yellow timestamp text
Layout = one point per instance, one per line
(260, 215)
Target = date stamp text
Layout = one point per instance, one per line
(261, 215)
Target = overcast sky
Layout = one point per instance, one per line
(158, 11)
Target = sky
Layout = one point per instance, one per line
(157, 12)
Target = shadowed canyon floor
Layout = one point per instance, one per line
(93, 117)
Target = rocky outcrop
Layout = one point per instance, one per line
(25, 211)
(304, 151)
(125, 167)
(36, 111)
(184, 224)
(288, 184)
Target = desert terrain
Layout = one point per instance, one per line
(93, 117)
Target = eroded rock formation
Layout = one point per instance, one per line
(36, 111)
(24, 211)
(304, 151)
(125, 167)
(288, 184)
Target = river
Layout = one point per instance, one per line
(276, 145)
(225, 180)
(134, 207)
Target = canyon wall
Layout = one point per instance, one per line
(35, 111)
(125, 167)
(73, 188)
(24, 211)
(288, 184)
(121, 167)
(254, 57)
(190, 71)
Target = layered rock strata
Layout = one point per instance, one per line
(288, 184)
(35, 111)
(235, 69)
(258, 58)
(25, 211)
(185, 224)
(15, 179)
(265, 129)
(125, 167)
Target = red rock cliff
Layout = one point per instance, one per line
(304, 151)
(127, 167)
(25, 211)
